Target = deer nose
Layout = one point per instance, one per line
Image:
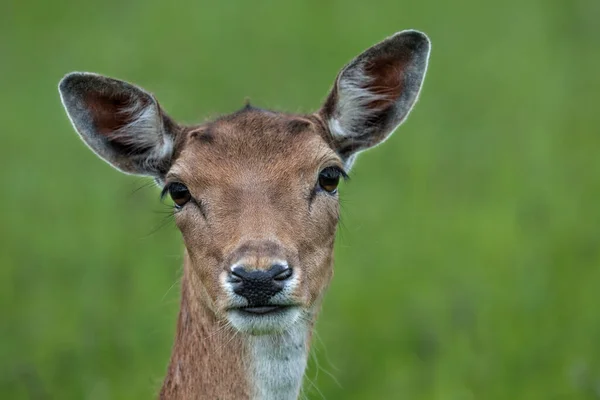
(258, 286)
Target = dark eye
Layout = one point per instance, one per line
(329, 179)
(179, 193)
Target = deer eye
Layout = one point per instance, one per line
(329, 178)
(179, 194)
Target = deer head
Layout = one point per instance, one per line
(255, 192)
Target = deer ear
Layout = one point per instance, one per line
(375, 92)
(121, 123)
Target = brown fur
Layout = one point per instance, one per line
(247, 179)
(205, 362)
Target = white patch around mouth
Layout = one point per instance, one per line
(261, 324)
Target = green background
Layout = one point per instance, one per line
(468, 260)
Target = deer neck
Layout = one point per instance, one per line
(211, 361)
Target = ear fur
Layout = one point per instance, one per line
(120, 122)
(375, 92)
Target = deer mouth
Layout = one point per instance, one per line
(264, 318)
(261, 310)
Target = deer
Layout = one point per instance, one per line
(255, 198)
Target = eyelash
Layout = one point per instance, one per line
(343, 174)
(164, 192)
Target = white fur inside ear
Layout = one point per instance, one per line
(353, 100)
(336, 128)
(145, 132)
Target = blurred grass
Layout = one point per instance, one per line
(467, 266)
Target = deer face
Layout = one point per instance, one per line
(256, 196)
(255, 192)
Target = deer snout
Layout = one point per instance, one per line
(259, 286)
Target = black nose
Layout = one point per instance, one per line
(259, 286)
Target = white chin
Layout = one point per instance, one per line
(263, 324)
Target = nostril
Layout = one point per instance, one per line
(283, 275)
(238, 272)
(236, 276)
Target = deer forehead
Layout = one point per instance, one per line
(254, 148)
